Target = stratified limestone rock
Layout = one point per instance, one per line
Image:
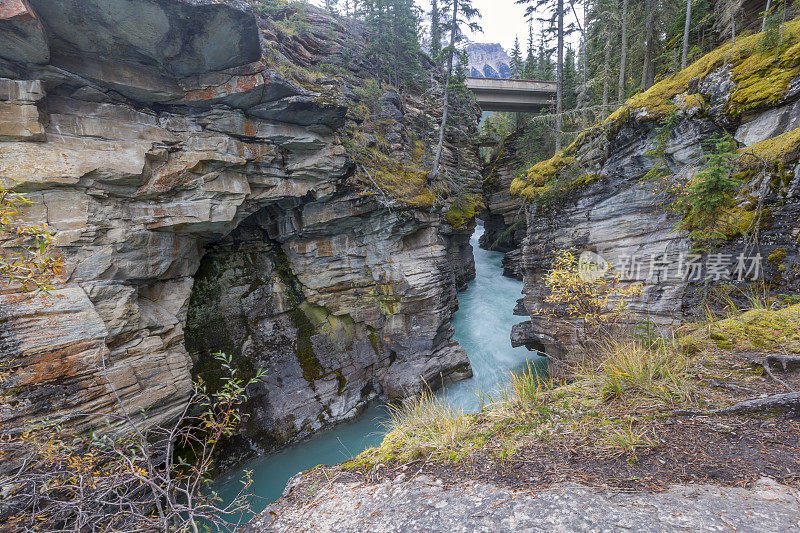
(769, 124)
(182, 37)
(459, 250)
(19, 114)
(230, 209)
(338, 307)
(503, 216)
(614, 208)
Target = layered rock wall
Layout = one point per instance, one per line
(610, 193)
(503, 215)
(191, 176)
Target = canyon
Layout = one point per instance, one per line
(612, 191)
(235, 177)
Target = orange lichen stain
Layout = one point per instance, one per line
(237, 84)
(169, 176)
(324, 249)
(156, 211)
(56, 365)
(258, 152)
(344, 287)
(249, 128)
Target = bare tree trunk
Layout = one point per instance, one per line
(437, 159)
(686, 27)
(584, 91)
(560, 74)
(648, 69)
(606, 69)
(583, 28)
(766, 13)
(623, 53)
(783, 22)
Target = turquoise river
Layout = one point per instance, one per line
(482, 325)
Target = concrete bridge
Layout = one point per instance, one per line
(520, 96)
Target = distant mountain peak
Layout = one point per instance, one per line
(488, 60)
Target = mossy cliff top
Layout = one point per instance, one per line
(389, 132)
(775, 153)
(761, 73)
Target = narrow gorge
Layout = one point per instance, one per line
(267, 266)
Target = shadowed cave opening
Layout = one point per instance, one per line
(247, 302)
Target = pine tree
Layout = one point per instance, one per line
(544, 66)
(405, 43)
(648, 69)
(517, 65)
(605, 12)
(530, 57)
(623, 50)
(463, 16)
(570, 80)
(436, 32)
(556, 26)
(393, 44)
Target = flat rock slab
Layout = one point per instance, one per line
(421, 504)
(183, 37)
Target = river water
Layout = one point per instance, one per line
(482, 324)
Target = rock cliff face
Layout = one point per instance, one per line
(599, 195)
(197, 169)
(503, 215)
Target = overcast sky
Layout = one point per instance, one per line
(501, 21)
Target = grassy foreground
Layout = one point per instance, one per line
(634, 398)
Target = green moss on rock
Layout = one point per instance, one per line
(463, 210)
(761, 76)
(383, 294)
(758, 328)
(775, 152)
(538, 179)
(309, 363)
(776, 256)
(341, 382)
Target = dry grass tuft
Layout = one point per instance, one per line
(628, 440)
(426, 425)
(629, 371)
